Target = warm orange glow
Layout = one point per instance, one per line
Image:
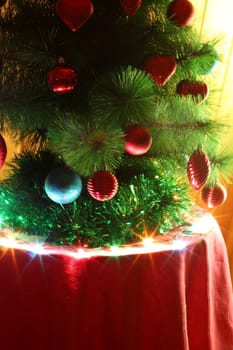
(214, 19)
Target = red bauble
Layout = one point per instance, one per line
(62, 79)
(214, 196)
(130, 6)
(180, 12)
(102, 185)
(160, 67)
(74, 13)
(3, 151)
(198, 90)
(138, 140)
(198, 169)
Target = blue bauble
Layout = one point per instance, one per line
(63, 185)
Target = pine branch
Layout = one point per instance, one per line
(125, 96)
(87, 148)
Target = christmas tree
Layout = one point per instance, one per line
(110, 102)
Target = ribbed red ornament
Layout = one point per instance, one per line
(160, 67)
(74, 13)
(198, 169)
(62, 79)
(130, 6)
(3, 151)
(197, 89)
(181, 12)
(214, 196)
(138, 140)
(102, 185)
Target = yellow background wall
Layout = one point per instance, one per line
(214, 18)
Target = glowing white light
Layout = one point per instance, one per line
(8, 242)
(179, 244)
(115, 250)
(203, 224)
(148, 242)
(80, 253)
(37, 249)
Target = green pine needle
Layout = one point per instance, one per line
(182, 126)
(85, 149)
(125, 96)
(221, 166)
(152, 203)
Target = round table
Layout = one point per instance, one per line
(172, 294)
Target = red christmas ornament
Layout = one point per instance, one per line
(102, 185)
(62, 79)
(198, 90)
(214, 196)
(198, 169)
(3, 151)
(74, 13)
(138, 140)
(130, 6)
(180, 12)
(160, 67)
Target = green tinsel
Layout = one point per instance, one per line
(151, 201)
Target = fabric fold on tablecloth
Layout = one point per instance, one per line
(168, 300)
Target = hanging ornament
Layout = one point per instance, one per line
(74, 13)
(130, 6)
(214, 196)
(198, 90)
(62, 79)
(181, 12)
(63, 185)
(138, 140)
(102, 185)
(160, 67)
(198, 169)
(3, 151)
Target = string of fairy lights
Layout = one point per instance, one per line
(178, 240)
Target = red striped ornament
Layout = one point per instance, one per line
(102, 185)
(198, 169)
(214, 196)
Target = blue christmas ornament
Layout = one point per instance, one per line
(63, 185)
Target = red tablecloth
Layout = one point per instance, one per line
(166, 300)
